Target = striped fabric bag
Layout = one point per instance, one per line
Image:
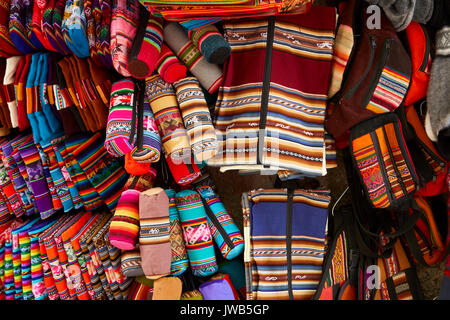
(382, 160)
(273, 118)
(284, 231)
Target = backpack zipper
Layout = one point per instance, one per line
(375, 80)
(352, 90)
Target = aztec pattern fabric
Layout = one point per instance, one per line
(197, 236)
(118, 141)
(179, 262)
(226, 234)
(151, 148)
(124, 22)
(389, 92)
(383, 162)
(39, 187)
(284, 248)
(398, 278)
(104, 172)
(163, 102)
(197, 118)
(274, 118)
(182, 12)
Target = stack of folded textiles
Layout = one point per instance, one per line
(199, 9)
(65, 257)
(64, 175)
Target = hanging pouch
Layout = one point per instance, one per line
(381, 157)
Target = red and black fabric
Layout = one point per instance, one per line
(427, 240)
(340, 269)
(380, 236)
(431, 166)
(419, 48)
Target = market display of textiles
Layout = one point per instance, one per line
(114, 114)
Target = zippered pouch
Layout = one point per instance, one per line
(381, 157)
(377, 81)
(226, 234)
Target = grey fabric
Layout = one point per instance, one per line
(402, 12)
(423, 11)
(438, 95)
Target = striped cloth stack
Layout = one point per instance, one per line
(65, 257)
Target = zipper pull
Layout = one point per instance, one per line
(388, 43)
(372, 41)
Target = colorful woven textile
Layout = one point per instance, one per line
(179, 262)
(104, 172)
(281, 127)
(284, 248)
(197, 236)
